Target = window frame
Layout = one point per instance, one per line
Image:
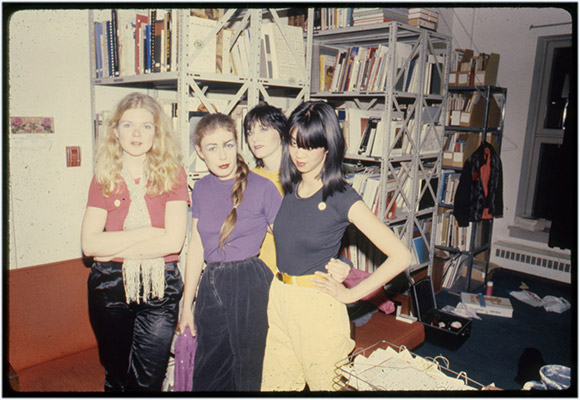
(536, 134)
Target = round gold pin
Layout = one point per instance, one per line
(117, 203)
(322, 206)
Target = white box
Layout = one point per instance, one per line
(489, 305)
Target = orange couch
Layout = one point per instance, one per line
(51, 344)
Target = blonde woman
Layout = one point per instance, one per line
(232, 209)
(134, 227)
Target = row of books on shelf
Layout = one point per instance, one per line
(421, 239)
(361, 252)
(368, 185)
(457, 147)
(470, 70)
(367, 134)
(449, 183)
(451, 235)
(334, 17)
(365, 69)
(468, 110)
(101, 119)
(452, 268)
(455, 267)
(364, 255)
(398, 189)
(135, 42)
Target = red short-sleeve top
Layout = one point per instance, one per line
(117, 206)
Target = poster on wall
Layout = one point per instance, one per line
(31, 125)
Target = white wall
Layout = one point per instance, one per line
(506, 31)
(49, 76)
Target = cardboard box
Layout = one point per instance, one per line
(458, 158)
(438, 324)
(489, 75)
(468, 74)
(489, 305)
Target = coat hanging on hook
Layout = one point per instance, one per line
(479, 195)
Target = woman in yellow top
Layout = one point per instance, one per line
(264, 127)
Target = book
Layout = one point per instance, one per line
(223, 61)
(98, 37)
(153, 40)
(287, 58)
(428, 192)
(368, 135)
(140, 43)
(158, 52)
(147, 53)
(327, 64)
(422, 23)
(266, 53)
(489, 305)
(204, 51)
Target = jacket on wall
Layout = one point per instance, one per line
(479, 194)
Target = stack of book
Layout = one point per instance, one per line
(424, 18)
(377, 15)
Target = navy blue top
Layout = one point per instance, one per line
(308, 232)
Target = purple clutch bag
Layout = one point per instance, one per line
(185, 346)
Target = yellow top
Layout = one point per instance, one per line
(268, 249)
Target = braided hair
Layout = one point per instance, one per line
(207, 125)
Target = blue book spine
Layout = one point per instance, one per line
(148, 49)
(98, 56)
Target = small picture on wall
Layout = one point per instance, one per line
(23, 125)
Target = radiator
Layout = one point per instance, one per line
(540, 262)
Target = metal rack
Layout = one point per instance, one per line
(489, 94)
(407, 168)
(347, 378)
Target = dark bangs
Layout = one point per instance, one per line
(309, 129)
(267, 116)
(315, 125)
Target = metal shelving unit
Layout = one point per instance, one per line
(407, 169)
(485, 131)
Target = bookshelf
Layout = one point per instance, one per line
(215, 61)
(475, 114)
(388, 83)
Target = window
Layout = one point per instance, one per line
(549, 99)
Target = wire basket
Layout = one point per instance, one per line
(388, 367)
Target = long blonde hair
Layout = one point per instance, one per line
(207, 125)
(163, 161)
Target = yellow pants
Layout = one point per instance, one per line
(308, 333)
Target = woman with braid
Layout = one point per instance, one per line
(134, 227)
(232, 208)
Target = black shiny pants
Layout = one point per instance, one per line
(134, 340)
(232, 322)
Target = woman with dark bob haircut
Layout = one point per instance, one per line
(309, 330)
